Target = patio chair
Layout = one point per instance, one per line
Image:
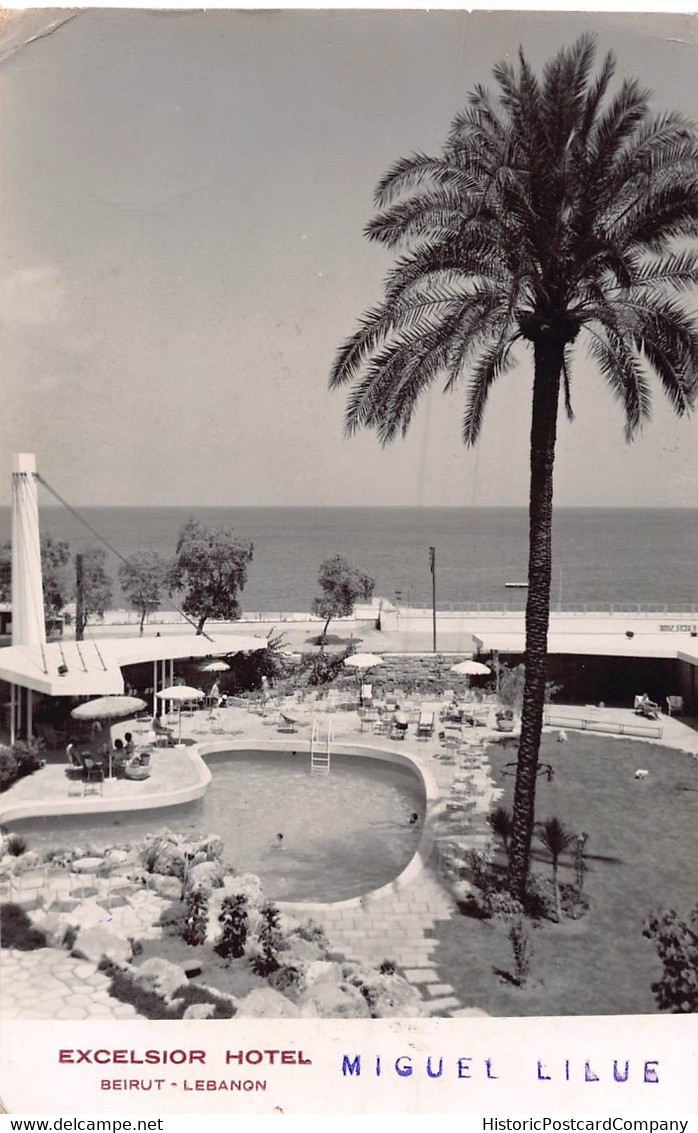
(163, 735)
(645, 707)
(425, 725)
(674, 704)
(75, 764)
(478, 715)
(399, 728)
(92, 776)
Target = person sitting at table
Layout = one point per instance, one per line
(129, 746)
(161, 730)
(119, 757)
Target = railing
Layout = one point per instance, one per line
(447, 609)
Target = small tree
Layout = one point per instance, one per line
(55, 556)
(210, 568)
(143, 577)
(556, 838)
(500, 821)
(677, 944)
(522, 951)
(234, 919)
(342, 585)
(270, 941)
(93, 590)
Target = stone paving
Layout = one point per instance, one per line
(49, 983)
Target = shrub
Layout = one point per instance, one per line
(195, 919)
(322, 668)
(312, 931)
(18, 930)
(676, 941)
(287, 977)
(270, 941)
(124, 987)
(235, 921)
(9, 765)
(500, 903)
(15, 845)
(522, 951)
(28, 756)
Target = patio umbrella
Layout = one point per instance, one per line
(108, 708)
(214, 667)
(470, 669)
(180, 693)
(360, 661)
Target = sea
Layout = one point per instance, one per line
(602, 557)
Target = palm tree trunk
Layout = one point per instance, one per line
(556, 891)
(549, 355)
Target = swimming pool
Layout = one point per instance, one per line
(344, 833)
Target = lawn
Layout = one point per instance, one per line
(641, 856)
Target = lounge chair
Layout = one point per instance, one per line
(366, 695)
(674, 704)
(425, 725)
(645, 707)
(286, 724)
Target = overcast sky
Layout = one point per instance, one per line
(183, 197)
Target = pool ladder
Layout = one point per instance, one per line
(319, 747)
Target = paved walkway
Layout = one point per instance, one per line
(49, 983)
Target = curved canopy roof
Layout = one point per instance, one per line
(93, 667)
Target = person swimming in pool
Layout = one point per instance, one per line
(414, 818)
(279, 841)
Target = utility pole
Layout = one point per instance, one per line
(432, 565)
(78, 598)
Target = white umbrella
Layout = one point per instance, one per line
(108, 708)
(363, 661)
(180, 693)
(214, 667)
(470, 669)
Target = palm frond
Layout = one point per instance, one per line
(620, 368)
(425, 215)
(418, 171)
(492, 363)
(678, 270)
(566, 384)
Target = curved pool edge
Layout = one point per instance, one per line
(36, 808)
(425, 846)
(100, 804)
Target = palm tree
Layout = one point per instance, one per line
(500, 822)
(556, 839)
(556, 215)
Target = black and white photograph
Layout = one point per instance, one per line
(349, 562)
